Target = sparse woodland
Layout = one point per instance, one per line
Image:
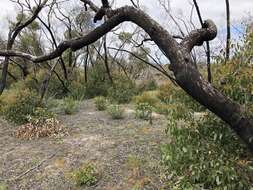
(87, 104)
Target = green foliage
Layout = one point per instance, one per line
(170, 94)
(97, 84)
(41, 114)
(100, 103)
(55, 88)
(146, 97)
(122, 91)
(235, 78)
(18, 104)
(115, 111)
(147, 85)
(69, 106)
(165, 93)
(204, 156)
(3, 186)
(87, 175)
(77, 91)
(144, 111)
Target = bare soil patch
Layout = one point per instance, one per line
(126, 152)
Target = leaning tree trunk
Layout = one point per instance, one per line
(181, 64)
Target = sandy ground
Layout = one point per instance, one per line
(126, 153)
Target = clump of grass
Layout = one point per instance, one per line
(69, 106)
(115, 111)
(144, 111)
(100, 103)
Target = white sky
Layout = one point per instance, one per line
(211, 9)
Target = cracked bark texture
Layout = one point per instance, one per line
(181, 64)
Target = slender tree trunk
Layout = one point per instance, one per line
(86, 65)
(228, 30)
(208, 51)
(106, 60)
(6, 61)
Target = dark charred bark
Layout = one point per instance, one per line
(11, 39)
(228, 30)
(106, 61)
(86, 65)
(208, 51)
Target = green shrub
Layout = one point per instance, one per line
(165, 93)
(115, 111)
(100, 103)
(147, 85)
(18, 104)
(97, 84)
(122, 91)
(69, 106)
(144, 111)
(55, 88)
(77, 91)
(205, 156)
(146, 97)
(87, 175)
(170, 94)
(41, 114)
(234, 78)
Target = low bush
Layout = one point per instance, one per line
(146, 97)
(165, 93)
(147, 85)
(122, 91)
(77, 91)
(69, 105)
(97, 84)
(144, 111)
(100, 103)
(205, 156)
(115, 111)
(87, 175)
(170, 94)
(17, 104)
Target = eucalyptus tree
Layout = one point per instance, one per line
(185, 71)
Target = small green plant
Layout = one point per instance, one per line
(144, 111)
(87, 175)
(100, 103)
(115, 111)
(3, 186)
(69, 106)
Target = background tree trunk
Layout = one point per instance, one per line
(228, 30)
